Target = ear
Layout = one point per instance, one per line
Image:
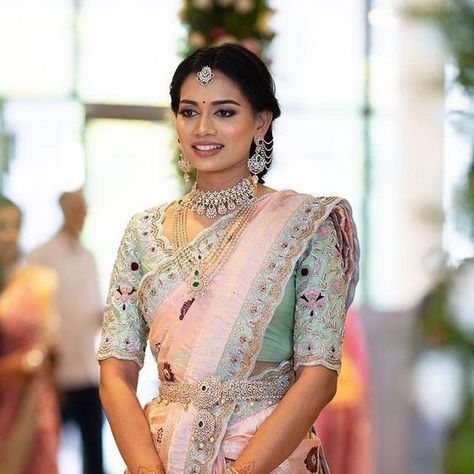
(264, 120)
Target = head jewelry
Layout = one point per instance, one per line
(205, 76)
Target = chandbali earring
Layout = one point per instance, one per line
(262, 157)
(185, 167)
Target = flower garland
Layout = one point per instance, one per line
(213, 22)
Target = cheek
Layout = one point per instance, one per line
(185, 134)
(241, 133)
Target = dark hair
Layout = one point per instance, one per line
(240, 65)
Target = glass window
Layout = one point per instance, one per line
(129, 169)
(317, 56)
(36, 48)
(48, 159)
(128, 50)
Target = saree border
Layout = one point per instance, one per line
(265, 293)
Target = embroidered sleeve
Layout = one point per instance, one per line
(321, 291)
(124, 330)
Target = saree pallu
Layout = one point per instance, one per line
(220, 334)
(29, 412)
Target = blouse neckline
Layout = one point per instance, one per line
(219, 222)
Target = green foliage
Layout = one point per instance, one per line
(212, 22)
(455, 20)
(458, 454)
(437, 325)
(465, 202)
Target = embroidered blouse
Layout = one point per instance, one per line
(309, 322)
(308, 325)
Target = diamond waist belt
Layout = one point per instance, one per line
(210, 391)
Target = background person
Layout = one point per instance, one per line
(80, 307)
(29, 412)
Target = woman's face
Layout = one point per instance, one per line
(10, 223)
(216, 126)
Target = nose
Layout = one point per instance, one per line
(205, 126)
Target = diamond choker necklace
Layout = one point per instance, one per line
(219, 203)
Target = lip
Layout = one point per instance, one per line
(205, 149)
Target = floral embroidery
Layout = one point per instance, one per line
(125, 291)
(320, 313)
(125, 330)
(312, 460)
(168, 373)
(185, 308)
(312, 300)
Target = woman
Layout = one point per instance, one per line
(241, 290)
(29, 423)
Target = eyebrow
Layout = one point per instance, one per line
(215, 102)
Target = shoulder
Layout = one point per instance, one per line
(43, 250)
(316, 206)
(321, 201)
(147, 217)
(335, 207)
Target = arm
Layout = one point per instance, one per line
(11, 365)
(121, 352)
(320, 311)
(281, 433)
(22, 365)
(118, 382)
(39, 357)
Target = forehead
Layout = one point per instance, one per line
(219, 89)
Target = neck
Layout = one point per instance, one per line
(70, 233)
(216, 182)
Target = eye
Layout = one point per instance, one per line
(225, 113)
(187, 113)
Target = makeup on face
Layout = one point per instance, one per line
(216, 126)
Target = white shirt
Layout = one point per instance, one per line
(79, 305)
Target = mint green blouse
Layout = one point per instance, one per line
(307, 326)
(278, 338)
(313, 298)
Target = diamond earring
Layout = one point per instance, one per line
(262, 157)
(185, 167)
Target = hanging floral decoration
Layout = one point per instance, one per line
(213, 22)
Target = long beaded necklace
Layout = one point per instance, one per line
(198, 270)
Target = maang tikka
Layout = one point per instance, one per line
(205, 76)
(262, 157)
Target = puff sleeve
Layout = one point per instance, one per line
(124, 330)
(321, 300)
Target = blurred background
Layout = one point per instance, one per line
(377, 107)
